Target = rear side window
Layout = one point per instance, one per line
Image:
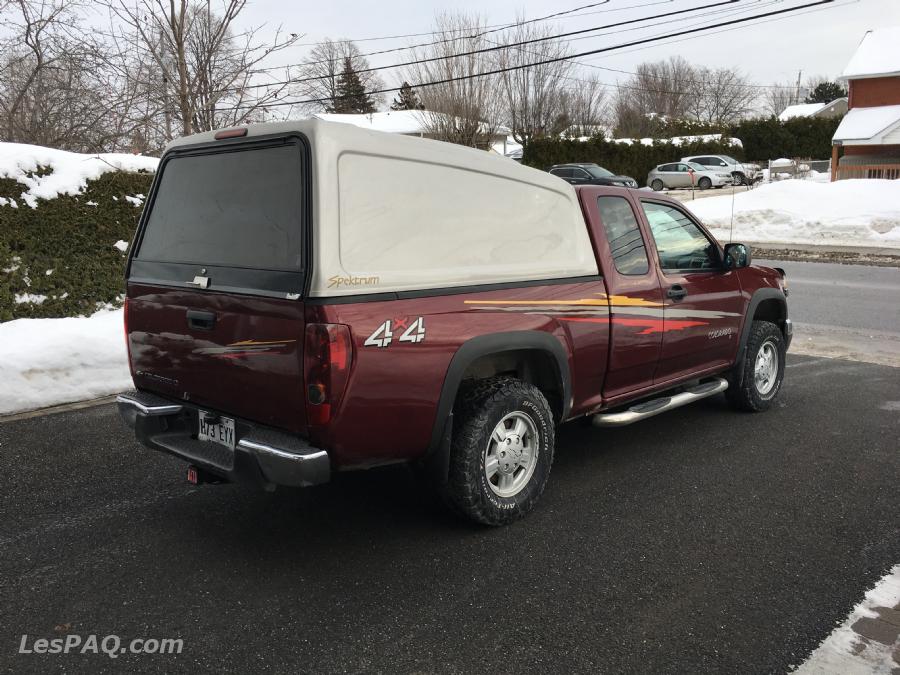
(562, 173)
(233, 209)
(623, 234)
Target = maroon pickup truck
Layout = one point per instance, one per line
(307, 297)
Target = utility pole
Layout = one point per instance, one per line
(797, 95)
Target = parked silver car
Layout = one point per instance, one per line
(686, 175)
(741, 172)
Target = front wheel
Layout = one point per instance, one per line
(762, 369)
(501, 451)
(704, 183)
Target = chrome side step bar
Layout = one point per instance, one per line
(642, 411)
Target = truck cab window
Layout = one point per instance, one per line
(624, 235)
(680, 243)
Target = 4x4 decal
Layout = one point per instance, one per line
(383, 336)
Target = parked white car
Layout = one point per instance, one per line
(741, 172)
(686, 175)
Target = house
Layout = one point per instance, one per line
(421, 123)
(867, 141)
(836, 108)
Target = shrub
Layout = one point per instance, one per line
(72, 238)
(807, 137)
(635, 160)
(762, 139)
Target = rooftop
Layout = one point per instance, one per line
(876, 56)
(868, 125)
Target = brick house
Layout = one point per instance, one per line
(867, 142)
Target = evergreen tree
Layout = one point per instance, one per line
(407, 99)
(826, 92)
(351, 96)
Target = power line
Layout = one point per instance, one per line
(493, 28)
(554, 60)
(746, 85)
(487, 49)
(726, 30)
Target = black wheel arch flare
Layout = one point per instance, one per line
(487, 345)
(759, 296)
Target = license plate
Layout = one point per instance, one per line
(222, 431)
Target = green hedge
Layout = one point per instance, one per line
(762, 139)
(800, 137)
(72, 238)
(635, 160)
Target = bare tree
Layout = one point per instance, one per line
(720, 95)
(54, 82)
(535, 96)
(321, 70)
(656, 90)
(585, 106)
(204, 67)
(461, 104)
(778, 97)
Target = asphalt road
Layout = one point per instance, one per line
(699, 541)
(844, 310)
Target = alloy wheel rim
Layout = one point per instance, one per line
(511, 454)
(765, 369)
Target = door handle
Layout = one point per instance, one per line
(676, 292)
(200, 320)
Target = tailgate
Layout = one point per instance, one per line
(241, 355)
(214, 310)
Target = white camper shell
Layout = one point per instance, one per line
(394, 213)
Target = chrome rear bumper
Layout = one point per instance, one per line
(262, 457)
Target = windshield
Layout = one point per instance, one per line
(698, 167)
(234, 209)
(728, 160)
(598, 172)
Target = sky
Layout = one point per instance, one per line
(817, 42)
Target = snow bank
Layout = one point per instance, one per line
(843, 213)
(46, 362)
(679, 140)
(70, 170)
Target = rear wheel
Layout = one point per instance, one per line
(704, 183)
(762, 369)
(501, 451)
(657, 185)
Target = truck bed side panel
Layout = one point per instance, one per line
(384, 417)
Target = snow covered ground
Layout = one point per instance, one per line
(46, 362)
(71, 170)
(843, 213)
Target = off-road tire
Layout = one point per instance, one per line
(704, 183)
(657, 185)
(479, 408)
(746, 395)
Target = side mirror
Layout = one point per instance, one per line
(737, 256)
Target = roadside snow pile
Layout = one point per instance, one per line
(680, 140)
(46, 362)
(70, 170)
(843, 213)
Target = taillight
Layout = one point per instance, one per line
(127, 339)
(125, 322)
(327, 358)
